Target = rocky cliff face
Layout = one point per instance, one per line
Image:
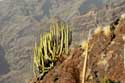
(21, 23)
(105, 59)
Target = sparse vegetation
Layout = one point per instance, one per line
(85, 46)
(107, 30)
(52, 44)
(56, 42)
(98, 30)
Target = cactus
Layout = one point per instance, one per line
(50, 47)
(66, 40)
(62, 39)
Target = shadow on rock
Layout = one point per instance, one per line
(4, 67)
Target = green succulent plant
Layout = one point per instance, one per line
(51, 46)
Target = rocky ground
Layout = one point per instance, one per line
(105, 60)
(21, 23)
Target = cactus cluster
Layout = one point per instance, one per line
(52, 44)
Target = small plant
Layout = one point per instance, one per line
(123, 16)
(51, 46)
(106, 30)
(85, 46)
(98, 30)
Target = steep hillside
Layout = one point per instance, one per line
(105, 58)
(22, 21)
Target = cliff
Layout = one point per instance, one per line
(105, 58)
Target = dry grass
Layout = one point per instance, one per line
(106, 30)
(98, 30)
(86, 48)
